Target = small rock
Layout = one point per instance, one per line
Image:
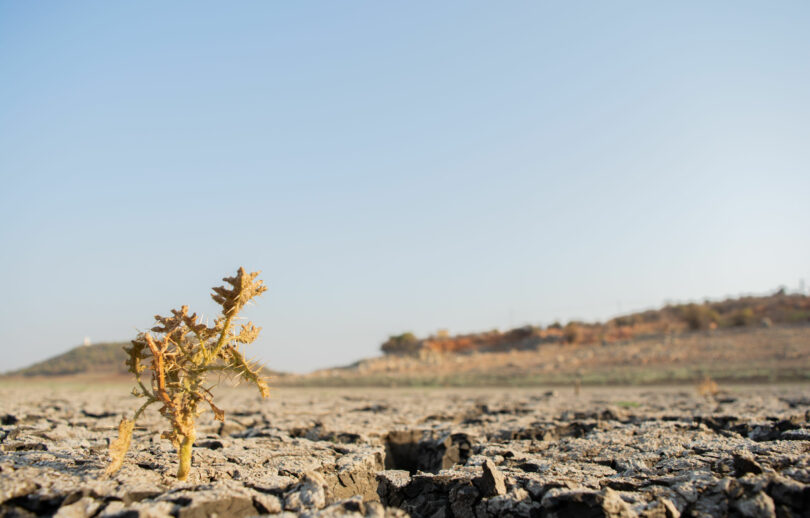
(230, 427)
(462, 500)
(349, 507)
(375, 510)
(267, 504)
(117, 509)
(514, 503)
(390, 485)
(661, 508)
(573, 504)
(491, 482)
(211, 445)
(355, 474)
(82, 508)
(15, 487)
(790, 493)
(745, 463)
(97, 414)
(613, 505)
(114, 508)
(25, 446)
(802, 434)
(760, 506)
(139, 493)
(221, 505)
(308, 494)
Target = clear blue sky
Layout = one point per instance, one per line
(394, 166)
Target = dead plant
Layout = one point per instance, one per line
(180, 356)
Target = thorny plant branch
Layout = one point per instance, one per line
(180, 355)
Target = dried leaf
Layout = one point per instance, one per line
(243, 289)
(251, 373)
(119, 447)
(247, 334)
(219, 414)
(136, 353)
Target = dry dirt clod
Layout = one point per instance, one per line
(492, 482)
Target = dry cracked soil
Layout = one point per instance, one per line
(647, 452)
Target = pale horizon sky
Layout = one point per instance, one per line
(394, 166)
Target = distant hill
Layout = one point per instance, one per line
(102, 358)
(779, 353)
(106, 359)
(743, 312)
(746, 338)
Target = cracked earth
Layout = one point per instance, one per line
(623, 452)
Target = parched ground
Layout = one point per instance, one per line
(652, 452)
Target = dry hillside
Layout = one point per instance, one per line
(671, 320)
(778, 353)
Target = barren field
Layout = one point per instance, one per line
(653, 452)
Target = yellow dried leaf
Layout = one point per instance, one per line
(244, 288)
(119, 447)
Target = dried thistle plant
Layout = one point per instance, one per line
(180, 355)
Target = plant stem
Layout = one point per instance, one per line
(225, 328)
(185, 456)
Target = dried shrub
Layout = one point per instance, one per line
(406, 343)
(707, 387)
(180, 356)
(573, 333)
(700, 316)
(743, 317)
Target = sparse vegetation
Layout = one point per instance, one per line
(180, 356)
(572, 333)
(403, 343)
(798, 316)
(699, 316)
(707, 387)
(743, 317)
